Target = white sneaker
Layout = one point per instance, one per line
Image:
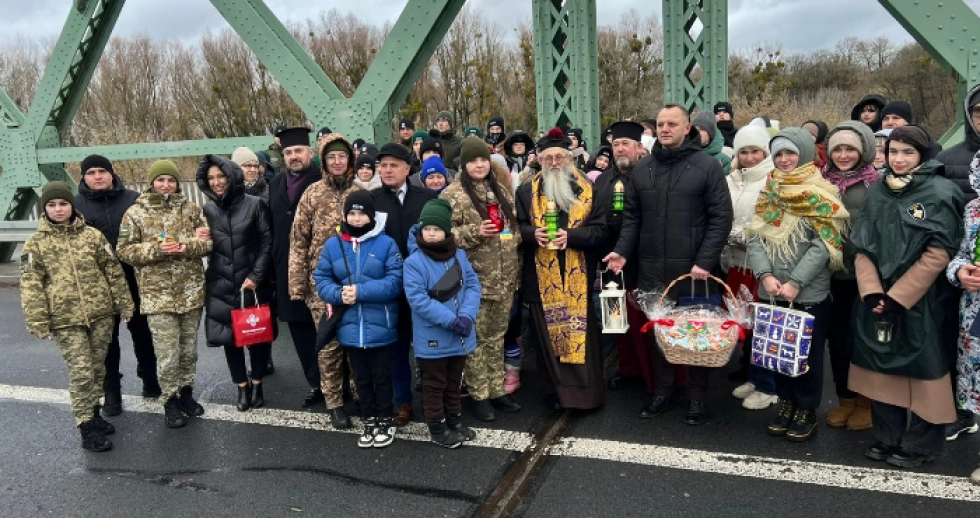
(975, 478)
(744, 390)
(759, 400)
(384, 434)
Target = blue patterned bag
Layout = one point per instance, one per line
(781, 339)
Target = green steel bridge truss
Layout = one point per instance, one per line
(566, 73)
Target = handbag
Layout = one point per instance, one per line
(252, 325)
(781, 339)
(449, 284)
(327, 330)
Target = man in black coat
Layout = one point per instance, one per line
(678, 206)
(401, 203)
(285, 191)
(102, 202)
(957, 158)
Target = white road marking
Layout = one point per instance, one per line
(816, 473)
(767, 468)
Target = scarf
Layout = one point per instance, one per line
(564, 298)
(793, 202)
(899, 182)
(440, 250)
(845, 179)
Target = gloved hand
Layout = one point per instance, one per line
(873, 300)
(462, 326)
(892, 306)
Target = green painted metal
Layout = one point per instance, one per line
(10, 114)
(171, 149)
(686, 50)
(948, 30)
(566, 65)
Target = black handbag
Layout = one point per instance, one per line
(327, 330)
(449, 284)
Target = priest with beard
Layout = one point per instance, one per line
(557, 280)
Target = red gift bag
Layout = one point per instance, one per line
(252, 325)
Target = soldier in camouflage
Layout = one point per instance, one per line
(163, 235)
(494, 256)
(318, 217)
(72, 287)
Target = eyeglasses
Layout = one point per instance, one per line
(555, 159)
(249, 166)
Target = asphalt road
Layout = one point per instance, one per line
(284, 461)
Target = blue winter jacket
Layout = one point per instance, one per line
(431, 319)
(376, 269)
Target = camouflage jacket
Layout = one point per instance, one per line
(69, 276)
(167, 283)
(318, 216)
(495, 260)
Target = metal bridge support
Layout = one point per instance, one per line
(566, 65)
(695, 44)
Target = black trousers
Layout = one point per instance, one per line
(843, 295)
(441, 378)
(304, 340)
(258, 356)
(806, 391)
(665, 377)
(146, 360)
(898, 426)
(372, 375)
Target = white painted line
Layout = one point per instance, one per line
(847, 477)
(485, 438)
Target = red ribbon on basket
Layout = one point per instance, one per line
(725, 326)
(661, 322)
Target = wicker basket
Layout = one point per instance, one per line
(675, 339)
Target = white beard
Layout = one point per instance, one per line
(557, 187)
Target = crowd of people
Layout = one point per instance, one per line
(465, 251)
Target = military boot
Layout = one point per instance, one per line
(174, 417)
(187, 404)
(455, 422)
(444, 436)
(93, 440)
(101, 425)
(113, 395)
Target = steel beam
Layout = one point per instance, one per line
(10, 114)
(686, 49)
(566, 65)
(219, 146)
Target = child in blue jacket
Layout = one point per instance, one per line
(442, 319)
(360, 272)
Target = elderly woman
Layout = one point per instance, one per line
(248, 161)
(910, 228)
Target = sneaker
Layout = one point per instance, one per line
(744, 390)
(803, 426)
(759, 400)
(975, 477)
(91, 439)
(187, 403)
(783, 419)
(455, 422)
(172, 414)
(908, 460)
(385, 433)
(444, 436)
(366, 440)
(965, 423)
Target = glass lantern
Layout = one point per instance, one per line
(612, 300)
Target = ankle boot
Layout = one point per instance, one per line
(803, 426)
(244, 398)
(837, 418)
(100, 425)
(258, 395)
(172, 414)
(113, 396)
(861, 418)
(444, 436)
(455, 422)
(91, 439)
(187, 403)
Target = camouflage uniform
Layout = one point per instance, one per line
(497, 264)
(171, 287)
(275, 157)
(318, 216)
(71, 288)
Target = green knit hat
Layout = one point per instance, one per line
(164, 167)
(473, 130)
(419, 135)
(439, 213)
(471, 149)
(57, 191)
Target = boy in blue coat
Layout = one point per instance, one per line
(442, 319)
(360, 271)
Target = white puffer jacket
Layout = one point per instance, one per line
(744, 185)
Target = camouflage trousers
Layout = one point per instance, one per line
(485, 366)
(84, 349)
(330, 359)
(175, 345)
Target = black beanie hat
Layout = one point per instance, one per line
(497, 121)
(96, 161)
(362, 201)
(430, 144)
(57, 191)
(365, 160)
(726, 107)
(605, 151)
(901, 108)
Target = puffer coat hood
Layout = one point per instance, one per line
(867, 142)
(874, 99)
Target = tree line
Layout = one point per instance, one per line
(148, 90)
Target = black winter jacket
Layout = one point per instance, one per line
(283, 212)
(678, 206)
(242, 244)
(603, 195)
(957, 158)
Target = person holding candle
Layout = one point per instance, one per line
(484, 224)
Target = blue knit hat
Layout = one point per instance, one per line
(433, 165)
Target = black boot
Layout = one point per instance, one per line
(483, 411)
(506, 403)
(93, 440)
(113, 396)
(244, 398)
(803, 427)
(783, 419)
(171, 411)
(258, 395)
(455, 422)
(339, 419)
(270, 369)
(907, 459)
(444, 436)
(187, 403)
(100, 425)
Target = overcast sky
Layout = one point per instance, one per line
(800, 25)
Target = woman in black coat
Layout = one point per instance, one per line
(240, 261)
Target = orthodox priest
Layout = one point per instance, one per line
(558, 274)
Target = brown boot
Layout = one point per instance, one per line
(861, 418)
(837, 418)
